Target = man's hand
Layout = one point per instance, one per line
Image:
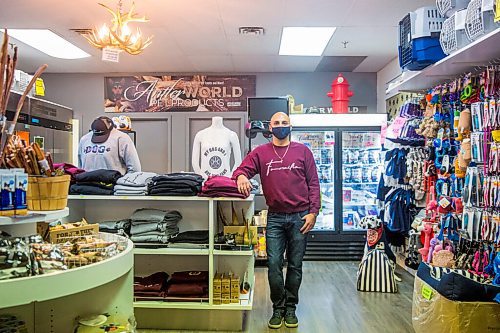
(310, 220)
(244, 186)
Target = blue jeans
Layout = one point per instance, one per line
(283, 233)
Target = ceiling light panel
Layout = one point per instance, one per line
(48, 42)
(305, 41)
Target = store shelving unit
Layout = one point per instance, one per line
(34, 217)
(199, 213)
(172, 251)
(52, 302)
(478, 53)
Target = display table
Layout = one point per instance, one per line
(199, 213)
(52, 302)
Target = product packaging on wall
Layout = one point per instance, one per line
(457, 175)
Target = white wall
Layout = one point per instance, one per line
(386, 74)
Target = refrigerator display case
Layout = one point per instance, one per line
(322, 145)
(347, 151)
(361, 170)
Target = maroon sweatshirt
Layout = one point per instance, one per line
(291, 185)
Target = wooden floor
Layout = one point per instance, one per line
(330, 303)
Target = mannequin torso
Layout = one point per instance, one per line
(212, 150)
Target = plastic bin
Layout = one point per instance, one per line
(453, 36)
(450, 7)
(420, 53)
(480, 18)
(425, 22)
(419, 38)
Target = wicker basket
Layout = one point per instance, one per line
(48, 193)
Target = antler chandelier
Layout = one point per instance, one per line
(120, 36)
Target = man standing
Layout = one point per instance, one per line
(291, 188)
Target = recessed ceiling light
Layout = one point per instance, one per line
(48, 42)
(305, 41)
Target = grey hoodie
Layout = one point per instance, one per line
(117, 153)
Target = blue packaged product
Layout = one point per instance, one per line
(21, 188)
(7, 194)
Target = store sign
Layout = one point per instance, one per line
(329, 109)
(178, 93)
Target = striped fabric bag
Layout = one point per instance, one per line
(376, 273)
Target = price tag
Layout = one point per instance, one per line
(39, 87)
(110, 54)
(444, 202)
(427, 292)
(383, 132)
(394, 130)
(445, 189)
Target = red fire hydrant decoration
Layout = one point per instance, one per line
(340, 95)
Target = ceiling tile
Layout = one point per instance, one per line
(252, 63)
(268, 44)
(363, 41)
(263, 13)
(296, 64)
(211, 63)
(317, 13)
(373, 63)
(193, 35)
(339, 63)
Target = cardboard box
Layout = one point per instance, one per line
(432, 312)
(235, 289)
(42, 228)
(217, 288)
(235, 299)
(240, 231)
(61, 236)
(235, 285)
(226, 289)
(226, 284)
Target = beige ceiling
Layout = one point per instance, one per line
(202, 35)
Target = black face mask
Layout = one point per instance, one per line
(281, 132)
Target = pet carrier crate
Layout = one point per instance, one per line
(453, 35)
(450, 7)
(419, 38)
(480, 18)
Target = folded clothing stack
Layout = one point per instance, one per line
(69, 169)
(188, 284)
(121, 227)
(187, 238)
(154, 225)
(176, 184)
(134, 183)
(220, 186)
(97, 182)
(150, 288)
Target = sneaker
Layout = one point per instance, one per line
(291, 319)
(276, 320)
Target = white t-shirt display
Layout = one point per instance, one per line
(212, 150)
